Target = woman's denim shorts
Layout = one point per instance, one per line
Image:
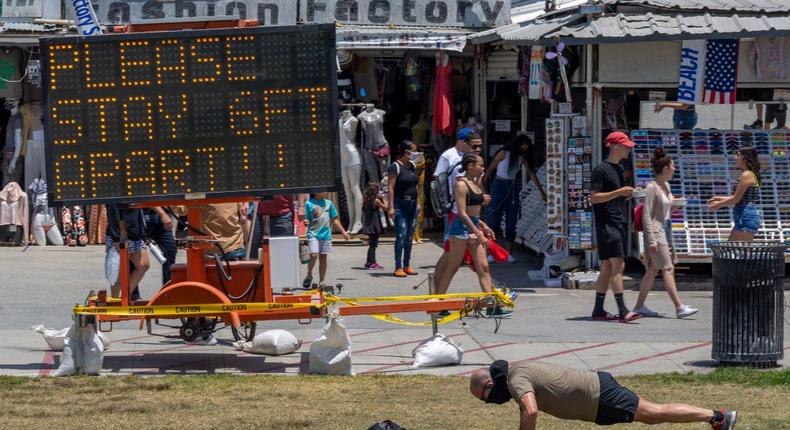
(746, 218)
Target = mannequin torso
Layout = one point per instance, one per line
(372, 120)
(349, 156)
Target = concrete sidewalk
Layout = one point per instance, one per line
(551, 325)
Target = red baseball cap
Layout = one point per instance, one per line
(619, 137)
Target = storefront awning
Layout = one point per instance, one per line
(360, 37)
(23, 33)
(655, 27)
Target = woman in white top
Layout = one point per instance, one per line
(658, 254)
(504, 201)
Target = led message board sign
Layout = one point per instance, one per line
(183, 114)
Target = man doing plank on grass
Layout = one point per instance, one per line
(581, 395)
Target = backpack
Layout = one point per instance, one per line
(386, 425)
(441, 200)
(638, 210)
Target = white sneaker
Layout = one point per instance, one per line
(511, 259)
(686, 311)
(490, 258)
(645, 311)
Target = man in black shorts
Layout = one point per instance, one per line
(609, 199)
(581, 395)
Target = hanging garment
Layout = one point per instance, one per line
(523, 68)
(443, 120)
(97, 224)
(365, 80)
(411, 70)
(768, 58)
(14, 210)
(73, 226)
(535, 69)
(35, 161)
(419, 131)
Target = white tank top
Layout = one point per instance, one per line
(502, 168)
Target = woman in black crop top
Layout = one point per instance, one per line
(466, 230)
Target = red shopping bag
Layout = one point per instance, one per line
(500, 254)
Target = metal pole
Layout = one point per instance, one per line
(432, 291)
(76, 344)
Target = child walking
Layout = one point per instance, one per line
(373, 203)
(320, 213)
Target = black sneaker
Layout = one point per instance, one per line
(498, 312)
(443, 314)
(727, 422)
(757, 124)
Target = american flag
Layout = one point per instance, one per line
(721, 71)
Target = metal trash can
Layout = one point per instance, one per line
(748, 302)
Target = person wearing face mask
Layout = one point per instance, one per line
(582, 395)
(403, 206)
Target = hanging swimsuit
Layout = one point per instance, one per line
(458, 228)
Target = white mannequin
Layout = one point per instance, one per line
(372, 121)
(44, 225)
(351, 170)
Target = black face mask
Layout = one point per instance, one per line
(499, 392)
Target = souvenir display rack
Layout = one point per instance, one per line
(705, 166)
(579, 177)
(556, 132)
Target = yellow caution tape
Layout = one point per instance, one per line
(395, 320)
(222, 308)
(501, 297)
(194, 309)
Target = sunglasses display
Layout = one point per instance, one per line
(705, 167)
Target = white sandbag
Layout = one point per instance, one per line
(105, 341)
(270, 342)
(53, 337)
(330, 353)
(92, 352)
(437, 350)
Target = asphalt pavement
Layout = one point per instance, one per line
(40, 286)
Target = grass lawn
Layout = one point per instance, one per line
(269, 402)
